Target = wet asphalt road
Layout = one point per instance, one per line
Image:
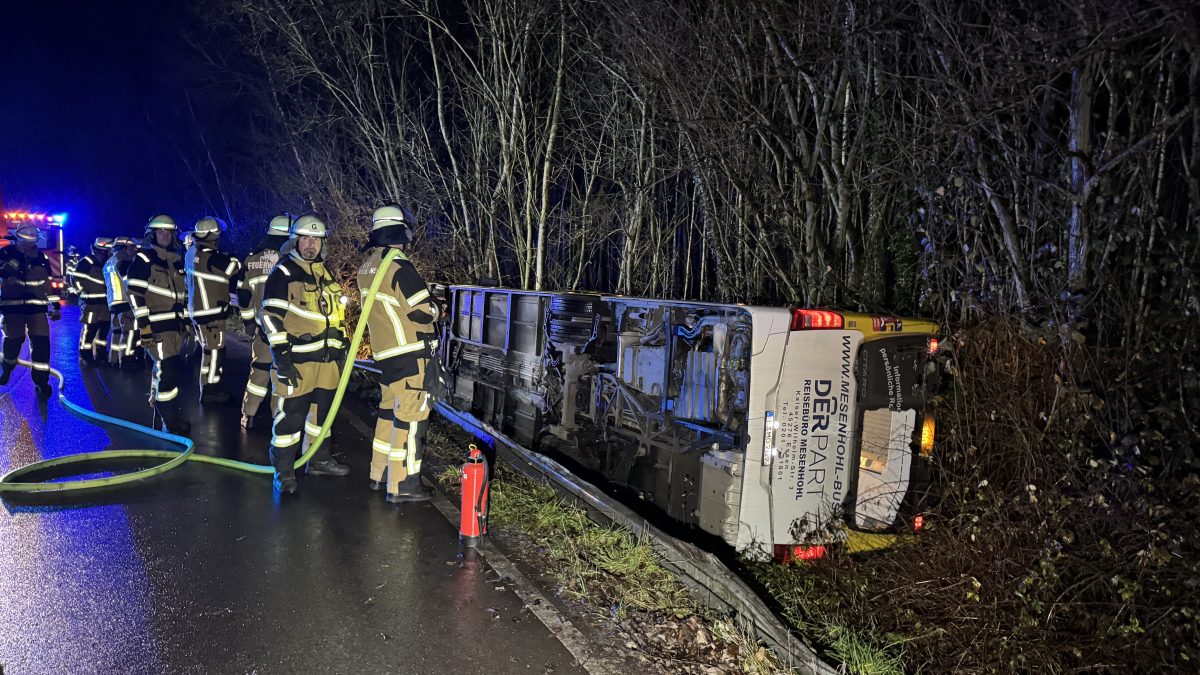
(203, 570)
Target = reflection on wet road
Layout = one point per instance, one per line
(203, 570)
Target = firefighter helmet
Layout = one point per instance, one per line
(207, 227)
(391, 214)
(102, 243)
(123, 241)
(309, 225)
(281, 225)
(162, 222)
(26, 233)
(396, 220)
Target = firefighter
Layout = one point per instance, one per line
(210, 276)
(258, 266)
(158, 296)
(26, 296)
(304, 320)
(87, 279)
(401, 322)
(116, 271)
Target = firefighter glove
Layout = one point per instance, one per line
(288, 375)
(55, 313)
(147, 336)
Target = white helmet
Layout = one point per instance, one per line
(162, 222)
(281, 225)
(208, 226)
(309, 225)
(392, 224)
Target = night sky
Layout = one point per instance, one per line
(94, 121)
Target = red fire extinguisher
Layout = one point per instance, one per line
(474, 499)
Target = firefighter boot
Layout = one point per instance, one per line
(326, 467)
(172, 421)
(285, 483)
(411, 489)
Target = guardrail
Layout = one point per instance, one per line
(701, 572)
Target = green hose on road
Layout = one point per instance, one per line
(11, 483)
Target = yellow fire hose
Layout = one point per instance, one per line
(11, 483)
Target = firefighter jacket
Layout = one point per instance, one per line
(258, 267)
(304, 312)
(25, 285)
(115, 287)
(402, 317)
(88, 281)
(157, 290)
(210, 274)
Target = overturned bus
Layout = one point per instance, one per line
(778, 431)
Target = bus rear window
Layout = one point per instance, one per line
(891, 398)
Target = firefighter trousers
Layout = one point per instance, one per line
(120, 338)
(211, 337)
(37, 326)
(164, 349)
(258, 386)
(93, 336)
(299, 413)
(399, 429)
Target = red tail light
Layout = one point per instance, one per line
(918, 522)
(809, 319)
(786, 554)
(933, 345)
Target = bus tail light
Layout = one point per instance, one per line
(933, 346)
(786, 554)
(918, 522)
(809, 319)
(928, 427)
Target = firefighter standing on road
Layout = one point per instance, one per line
(87, 279)
(304, 319)
(116, 270)
(402, 337)
(258, 267)
(25, 299)
(209, 275)
(158, 295)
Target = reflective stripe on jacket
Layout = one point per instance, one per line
(88, 281)
(116, 291)
(25, 286)
(303, 312)
(402, 318)
(258, 267)
(209, 273)
(157, 290)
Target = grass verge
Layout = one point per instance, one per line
(613, 571)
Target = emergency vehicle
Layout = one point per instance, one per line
(50, 238)
(780, 431)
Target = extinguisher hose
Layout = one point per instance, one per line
(11, 483)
